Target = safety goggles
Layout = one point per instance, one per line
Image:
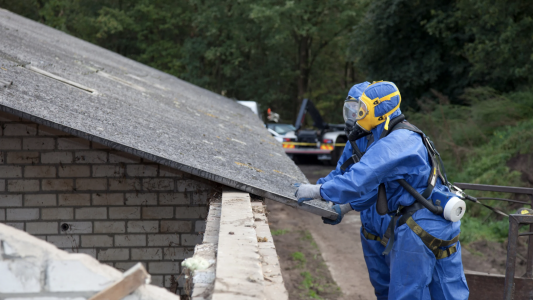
(354, 110)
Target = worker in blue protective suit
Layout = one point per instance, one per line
(418, 269)
(374, 225)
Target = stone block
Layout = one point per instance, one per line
(23, 157)
(124, 212)
(2, 214)
(2, 185)
(191, 239)
(146, 254)
(191, 212)
(190, 185)
(174, 199)
(38, 143)
(113, 254)
(158, 212)
(10, 200)
(158, 184)
(88, 251)
(74, 171)
(165, 171)
(39, 171)
(200, 198)
(122, 157)
(124, 266)
(42, 227)
(57, 213)
(17, 225)
(129, 240)
(90, 157)
(110, 227)
(177, 253)
(23, 185)
(88, 213)
(166, 240)
(20, 276)
(10, 171)
(56, 158)
(88, 241)
(123, 184)
(40, 200)
(99, 184)
(10, 144)
(156, 280)
(108, 199)
(141, 170)
(18, 129)
(76, 276)
(74, 199)
(49, 131)
(176, 226)
(108, 170)
(72, 143)
(58, 184)
(22, 214)
(141, 199)
(64, 241)
(143, 226)
(76, 227)
(199, 226)
(164, 267)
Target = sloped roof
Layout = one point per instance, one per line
(72, 85)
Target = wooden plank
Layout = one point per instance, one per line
(132, 280)
(490, 286)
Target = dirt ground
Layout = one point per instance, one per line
(333, 255)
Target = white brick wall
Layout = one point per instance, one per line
(85, 197)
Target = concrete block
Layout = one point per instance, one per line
(74, 200)
(10, 171)
(23, 185)
(58, 184)
(123, 184)
(2, 185)
(19, 226)
(122, 157)
(42, 227)
(141, 199)
(18, 129)
(96, 145)
(156, 280)
(76, 227)
(2, 214)
(108, 199)
(129, 240)
(72, 143)
(88, 213)
(146, 254)
(88, 241)
(38, 143)
(7, 117)
(74, 171)
(166, 240)
(56, 158)
(143, 226)
(64, 241)
(164, 267)
(57, 213)
(49, 131)
(39, 199)
(110, 227)
(191, 212)
(90, 157)
(10, 200)
(158, 184)
(65, 275)
(23, 157)
(2, 157)
(191, 239)
(22, 214)
(10, 144)
(174, 199)
(199, 226)
(176, 226)
(113, 254)
(165, 171)
(39, 171)
(89, 251)
(20, 276)
(124, 212)
(175, 253)
(141, 170)
(158, 212)
(124, 266)
(190, 185)
(200, 198)
(108, 170)
(99, 184)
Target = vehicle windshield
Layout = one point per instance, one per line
(281, 128)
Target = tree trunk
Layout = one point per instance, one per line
(303, 69)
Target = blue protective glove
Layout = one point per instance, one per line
(306, 192)
(341, 211)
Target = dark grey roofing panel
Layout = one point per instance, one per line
(75, 86)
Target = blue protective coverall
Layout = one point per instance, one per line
(415, 273)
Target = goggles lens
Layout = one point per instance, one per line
(354, 110)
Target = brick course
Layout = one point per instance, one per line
(85, 197)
